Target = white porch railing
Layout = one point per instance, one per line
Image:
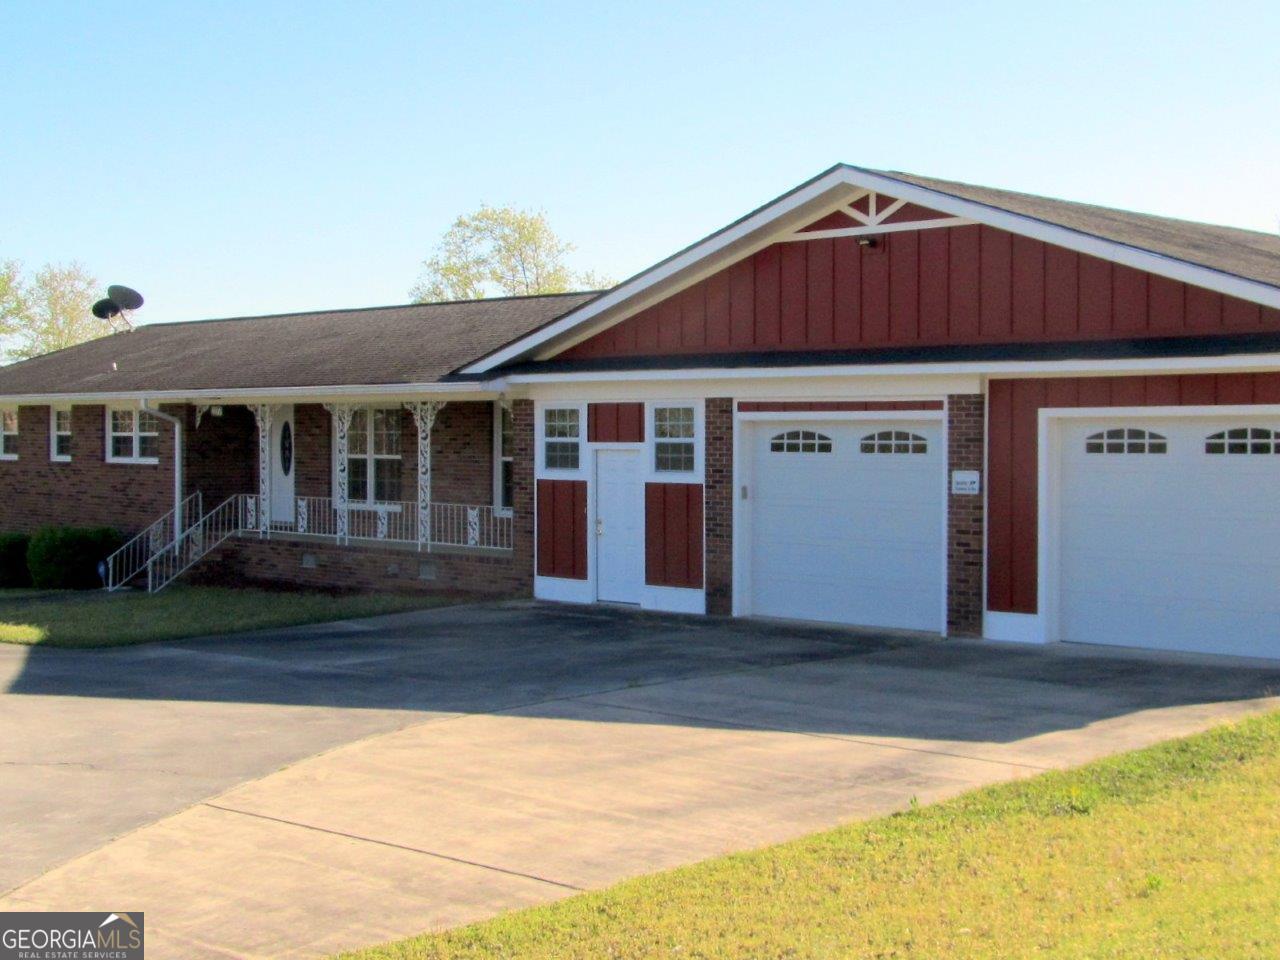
(133, 558)
(449, 524)
(225, 520)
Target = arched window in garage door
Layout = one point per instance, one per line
(800, 441)
(1243, 440)
(894, 441)
(1126, 440)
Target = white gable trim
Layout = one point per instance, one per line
(844, 183)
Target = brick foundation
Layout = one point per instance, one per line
(320, 564)
(718, 453)
(965, 437)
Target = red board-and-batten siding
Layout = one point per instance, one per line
(615, 422)
(562, 529)
(673, 534)
(1013, 441)
(950, 285)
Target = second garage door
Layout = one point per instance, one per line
(1169, 535)
(846, 522)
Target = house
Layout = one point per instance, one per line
(879, 399)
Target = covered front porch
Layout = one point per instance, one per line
(359, 476)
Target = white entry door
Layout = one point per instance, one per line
(619, 529)
(282, 465)
(846, 522)
(1168, 533)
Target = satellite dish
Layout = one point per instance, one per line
(106, 309)
(124, 297)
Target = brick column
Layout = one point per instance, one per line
(522, 494)
(965, 435)
(719, 504)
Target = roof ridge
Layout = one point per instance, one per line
(389, 306)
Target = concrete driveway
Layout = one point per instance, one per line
(297, 792)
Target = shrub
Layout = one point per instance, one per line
(13, 560)
(66, 558)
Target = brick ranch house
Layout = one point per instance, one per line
(879, 399)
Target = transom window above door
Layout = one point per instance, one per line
(800, 441)
(893, 441)
(1243, 440)
(374, 468)
(1126, 440)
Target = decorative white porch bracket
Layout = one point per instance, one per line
(424, 419)
(201, 410)
(262, 416)
(341, 413)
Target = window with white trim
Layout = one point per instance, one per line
(374, 465)
(1126, 440)
(9, 433)
(133, 436)
(673, 440)
(561, 429)
(60, 434)
(503, 456)
(1243, 440)
(894, 441)
(800, 441)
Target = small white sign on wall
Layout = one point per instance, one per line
(966, 482)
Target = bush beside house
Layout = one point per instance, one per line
(13, 560)
(66, 558)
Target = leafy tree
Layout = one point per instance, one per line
(49, 311)
(499, 251)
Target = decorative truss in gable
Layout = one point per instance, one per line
(869, 213)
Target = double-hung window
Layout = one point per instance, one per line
(60, 434)
(373, 456)
(9, 433)
(673, 440)
(562, 434)
(503, 457)
(133, 436)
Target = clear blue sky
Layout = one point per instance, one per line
(231, 159)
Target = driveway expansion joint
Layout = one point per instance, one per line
(395, 846)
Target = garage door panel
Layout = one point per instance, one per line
(847, 536)
(1177, 551)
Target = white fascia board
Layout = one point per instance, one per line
(988, 368)
(854, 178)
(481, 390)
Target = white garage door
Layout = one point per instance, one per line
(1170, 534)
(846, 522)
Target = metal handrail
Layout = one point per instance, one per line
(133, 558)
(216, 526)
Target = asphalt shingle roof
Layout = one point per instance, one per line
(415, 343)
(1250, 254)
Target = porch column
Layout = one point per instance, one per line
(341, 413)
(262, 415)
(424, 419)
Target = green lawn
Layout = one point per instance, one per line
(1173, 851)
(97, 619)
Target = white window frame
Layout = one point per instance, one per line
(580, 439)
(136, 433)
(652, 472)
(5, 434)
(369, 503)
(499, 461)
(55, 433)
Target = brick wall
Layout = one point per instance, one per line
(965, 428)
(522, 493)
(221, 454)
(718, 452)
(361, 568)
(88, 491)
